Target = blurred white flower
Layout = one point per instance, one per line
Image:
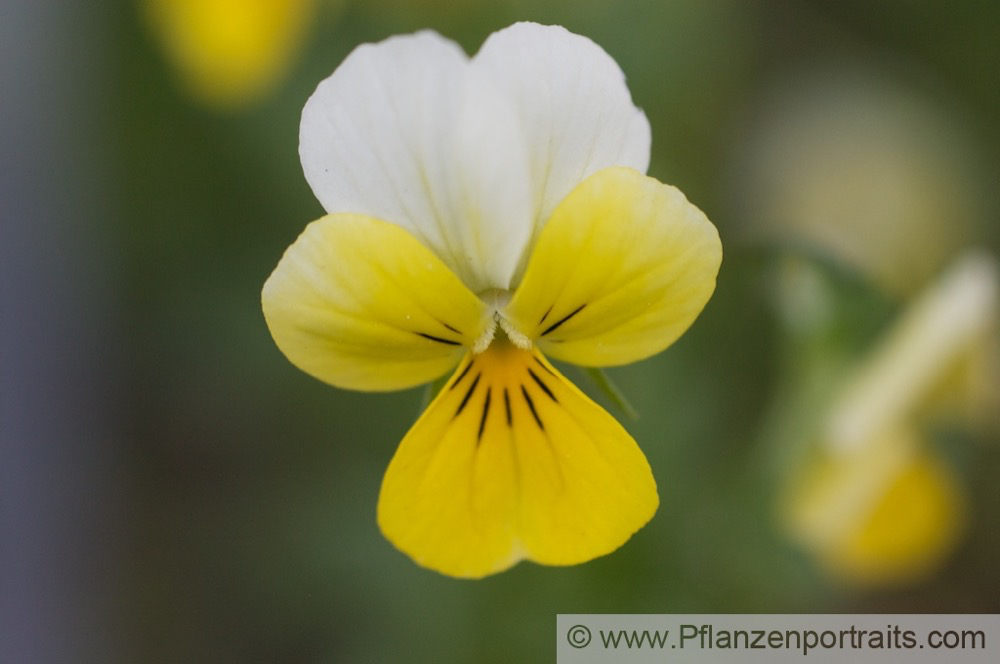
(875, 175)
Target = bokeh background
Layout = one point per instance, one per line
(173, 490)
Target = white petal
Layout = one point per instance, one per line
(575, 108)
(405, 132)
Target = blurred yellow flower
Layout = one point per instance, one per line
(229, 53)
(873, 503)
(887, 513)
(483, 212)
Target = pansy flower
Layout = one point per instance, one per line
(486, 214)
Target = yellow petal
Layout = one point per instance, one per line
(361, 304)
(908, 532)
(513, 462)
(622, 268)
(888, 513)
(230, 51)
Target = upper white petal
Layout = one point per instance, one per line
(407, 132)
(575, 109)
(470, 157)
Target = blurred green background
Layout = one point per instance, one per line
(173, 490)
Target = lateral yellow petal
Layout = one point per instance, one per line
(359, 303)
(513, 462)
(622, 268)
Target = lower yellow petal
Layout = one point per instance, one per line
(621, 269)
(512, 462)
(361, 304)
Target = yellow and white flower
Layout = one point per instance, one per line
(485, 213)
